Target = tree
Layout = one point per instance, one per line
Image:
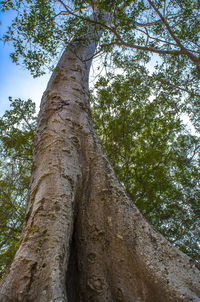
(17, 128)
(83, 239)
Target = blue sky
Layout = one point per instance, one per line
(15, 81)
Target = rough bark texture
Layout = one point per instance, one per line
(83, 239)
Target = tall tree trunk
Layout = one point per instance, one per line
(83, 239)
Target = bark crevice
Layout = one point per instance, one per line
(72, 275)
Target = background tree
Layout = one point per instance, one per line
(81, 230)
(151, 151)
(17, 128)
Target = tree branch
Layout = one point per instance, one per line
(144, 48)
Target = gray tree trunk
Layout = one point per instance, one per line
(83, 239)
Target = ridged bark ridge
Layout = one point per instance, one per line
(83, 239)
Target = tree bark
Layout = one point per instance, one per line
(83, 239)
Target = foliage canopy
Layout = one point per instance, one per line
(153, 153)
(42, 28)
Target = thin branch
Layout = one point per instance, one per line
(171, 16)
(10, 228)
(195, 60)
(61, 13)
(163, 41)
(148, 36)
(156, 39)
(166, 25)
(178, 87)
(96, 55)
(65, 6)
(6, 240)
(144, 48)
(164, 8)
(196, 148)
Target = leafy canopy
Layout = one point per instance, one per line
(43, 28)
